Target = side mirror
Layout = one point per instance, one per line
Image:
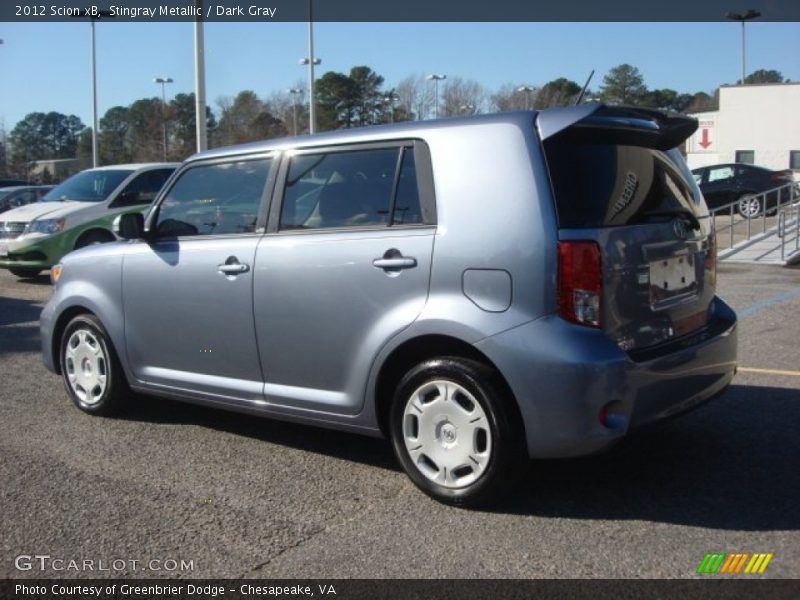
(129, 226)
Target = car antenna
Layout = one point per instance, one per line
(583, 91)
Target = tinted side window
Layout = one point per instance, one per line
(143, 189)
(214, 200)
(339, 189)
(351, 188)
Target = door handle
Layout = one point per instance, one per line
(232, 266)
(403, 262)
(393, 261)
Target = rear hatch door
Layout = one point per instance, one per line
(618, 180)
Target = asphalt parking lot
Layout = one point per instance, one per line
(246, 497)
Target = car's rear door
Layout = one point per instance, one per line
(344, 266)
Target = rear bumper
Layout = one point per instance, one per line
(562, 375)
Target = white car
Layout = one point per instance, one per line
(76, 213)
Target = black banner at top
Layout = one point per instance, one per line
(143, 11)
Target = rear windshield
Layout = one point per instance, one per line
(598, 183)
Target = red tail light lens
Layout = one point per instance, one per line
(580, 282)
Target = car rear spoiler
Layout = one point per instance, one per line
(625, 125)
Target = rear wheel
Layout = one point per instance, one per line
(90, 368)
(454, 434)
(24, 272)
(749, 206)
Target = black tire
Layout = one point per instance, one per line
(115, 391)
(94, 237)
(24, 272)
(748, 206)
(507, 452)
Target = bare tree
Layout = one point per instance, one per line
(514, 97)
(462, 97)
(415, 97)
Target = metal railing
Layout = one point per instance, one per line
(740, 228)
(793, 234)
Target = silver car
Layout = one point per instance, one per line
(481, 291)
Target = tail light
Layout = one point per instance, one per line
(782, 176)
(580, 282)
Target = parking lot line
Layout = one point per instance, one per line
(769, 371)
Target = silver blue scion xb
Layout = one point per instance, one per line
(481, 291)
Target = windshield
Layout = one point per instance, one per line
(4, 193)
(87, 186)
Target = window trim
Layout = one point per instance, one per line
(425, 190)
(263, 205)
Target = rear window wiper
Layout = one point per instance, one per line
(688, 216)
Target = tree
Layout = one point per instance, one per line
(623, 84)
(702, 102)
(509, 97)
(184, 126)
(558, 92)
(114, 145)
(337, 98)
(415, 97)
(145, 134)
(765, 76)
(45, 135)
(369, 106)
(245, 119)
(462, 97)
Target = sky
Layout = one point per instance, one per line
(46, 66)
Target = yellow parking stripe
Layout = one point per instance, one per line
(769, 371)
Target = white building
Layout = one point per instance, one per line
(757, 124)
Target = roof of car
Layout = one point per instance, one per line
(133, 166)
(373, 133)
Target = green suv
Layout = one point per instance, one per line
(76, 213)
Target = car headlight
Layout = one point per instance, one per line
(45, 226)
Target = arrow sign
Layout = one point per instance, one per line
(704, 141)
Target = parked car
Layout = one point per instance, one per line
(480, 290)
(14, 197)
(741, 183)
(77, 213)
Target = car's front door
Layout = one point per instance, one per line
(188, 290)
(345, 266)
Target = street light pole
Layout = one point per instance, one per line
(742, 17)
(311, 61)
(164, 81)
(526, 89)
(294, 92)
(436, 78)
(94, 97)
(200, 82)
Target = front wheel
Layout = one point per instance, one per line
(455, 433)
(90, 368)
(749, 206)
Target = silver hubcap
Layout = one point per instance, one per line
(749, 207)
(447, 434)
(86, 366)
